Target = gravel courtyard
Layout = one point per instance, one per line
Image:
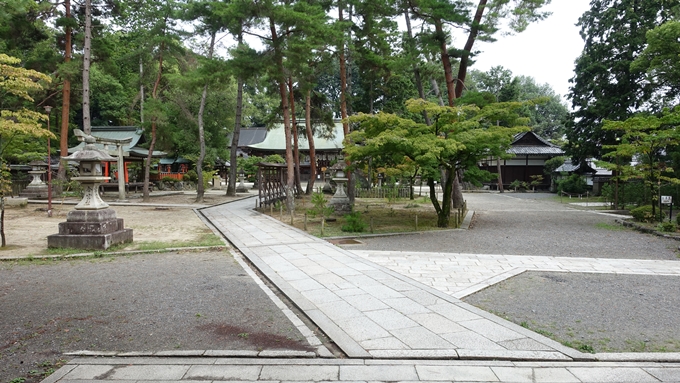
(593, 312)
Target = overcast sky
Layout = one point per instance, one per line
(545, 50)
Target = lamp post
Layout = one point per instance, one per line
(48, 109)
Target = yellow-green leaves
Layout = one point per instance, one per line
(21, 82)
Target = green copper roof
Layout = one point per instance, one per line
(276, 140)
(120, 133)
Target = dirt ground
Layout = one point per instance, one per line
(145, 302)
(27, 228)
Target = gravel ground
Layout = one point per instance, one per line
(533, 224)
(598, 312)
(593, 312)
(172, 301)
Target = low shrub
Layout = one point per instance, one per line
(518, 185)
(190, 176)
(644, 214)
(668, 227)
(354, 223)
(169, 180)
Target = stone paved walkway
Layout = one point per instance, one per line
(357, 370)
(460, 275)
(399, 321)
(370, 311)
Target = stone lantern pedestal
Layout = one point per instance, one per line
(37, 189)
(92, 225)
(340, 202)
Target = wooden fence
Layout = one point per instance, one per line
(18, 186)
(402, 192)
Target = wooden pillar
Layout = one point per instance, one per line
(526, 168)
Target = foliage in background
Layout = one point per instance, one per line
(646, 140)
(249, 164)
(605, 86)
(574, 184)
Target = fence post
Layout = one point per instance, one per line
(281, 212)
(323, 224)
(371, 225)
(416, 222)
(305, 224)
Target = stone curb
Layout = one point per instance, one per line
(116, 253)
(196, 353)
(647, 230)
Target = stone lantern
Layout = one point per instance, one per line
(340, 202)
(241, 188)
(92, 225)
(37, 188)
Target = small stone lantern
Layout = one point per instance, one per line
(241, 188)
(340, 202)
(37, 189)
(92, 225)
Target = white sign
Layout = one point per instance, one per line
(666, 199)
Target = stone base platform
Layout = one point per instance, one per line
(39, 192)
(91, 230)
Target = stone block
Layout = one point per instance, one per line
(16, 202)
(90, 242)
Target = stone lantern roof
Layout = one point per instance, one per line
(89, 152)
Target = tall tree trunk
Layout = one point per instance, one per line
(231, 186)
(457, 194)
(290, 172)
(2, 221)
(154, 94)
(65, 100)
(446, 61)
(437, 92)
(416, 69)
(500, 176)
(200, 189)
(443, 217)
(343, 102)
(310, 139)
(87, 54)
(141, 91)
(465, 58)
(296, 148)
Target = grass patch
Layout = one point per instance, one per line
(203, 241)
(380, 215)
(609, 226)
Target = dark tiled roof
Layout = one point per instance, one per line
(529, 143)
(251, 136)
(536, 150)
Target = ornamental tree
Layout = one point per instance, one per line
(17, 83)
(646, 139)
(458, 138)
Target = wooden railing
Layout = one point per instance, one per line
(161, 175)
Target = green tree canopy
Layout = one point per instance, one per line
(457, 139)
(661, 61)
